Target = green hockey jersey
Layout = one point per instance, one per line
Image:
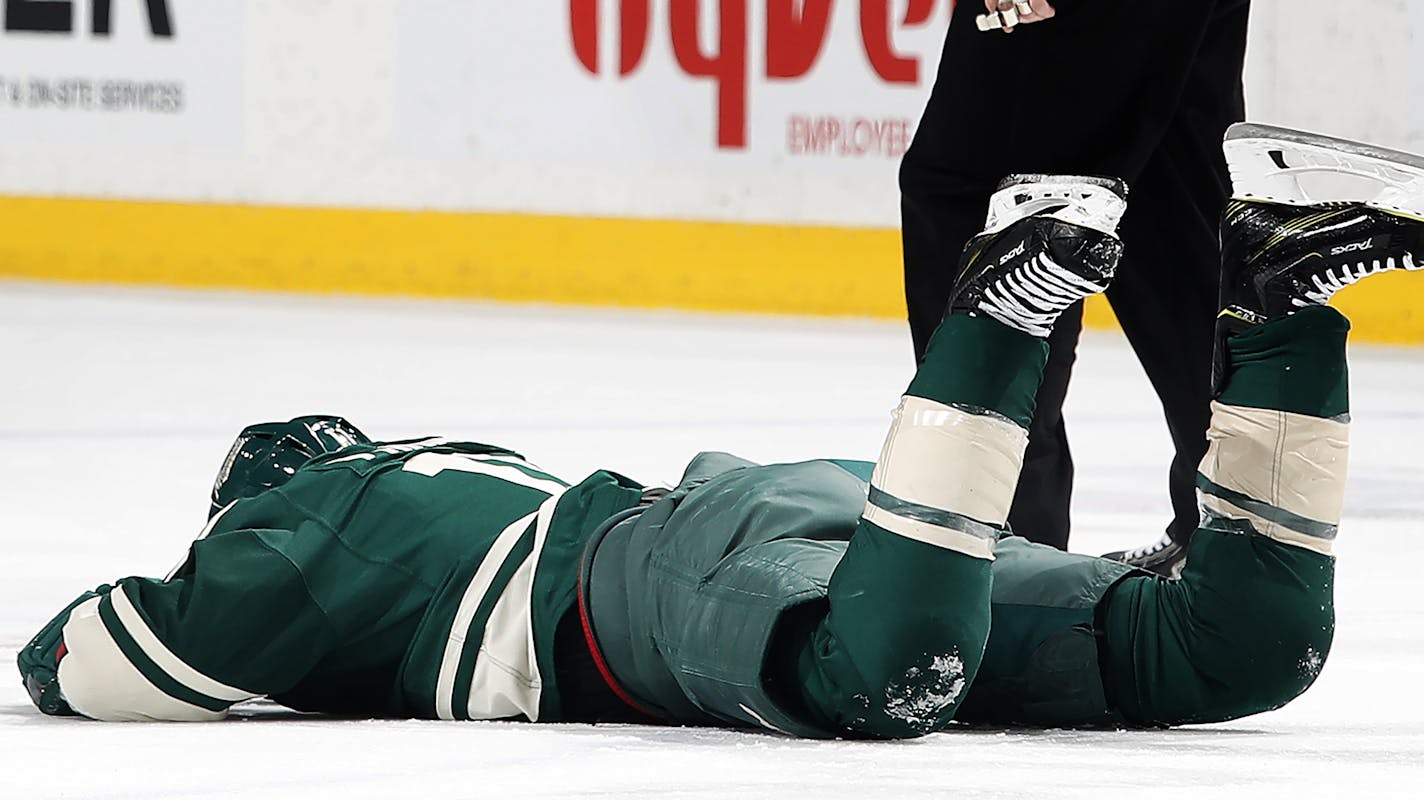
(420, 578)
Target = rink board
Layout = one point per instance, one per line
(728, 156)
(640, 263)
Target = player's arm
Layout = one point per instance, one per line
(180, 649)
(39, 660)
(99, 679)
(236, 622)
(102, 658)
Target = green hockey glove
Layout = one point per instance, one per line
(39, 661)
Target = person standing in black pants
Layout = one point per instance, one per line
(1143, 91)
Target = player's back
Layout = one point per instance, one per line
(457, 561)
(376, 532)
(423, 504)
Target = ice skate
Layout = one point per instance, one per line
(1165, 557)
(1049, 241)
(1283, 249)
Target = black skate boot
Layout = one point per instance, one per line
(1165, 557)
(1050, 240)
(1282, 251)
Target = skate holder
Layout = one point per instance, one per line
(1268, 162)
(1092, 202)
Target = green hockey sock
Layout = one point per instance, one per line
(1296, 364)
(980, 362)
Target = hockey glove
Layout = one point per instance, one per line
(39, 661)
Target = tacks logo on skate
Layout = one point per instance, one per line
(1352, 248)
(1017, 251)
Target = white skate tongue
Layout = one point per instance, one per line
(1267, 163)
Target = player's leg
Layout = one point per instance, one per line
(908, 604)
(1040, 511)
(1250, 623)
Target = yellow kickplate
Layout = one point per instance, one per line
(705, 266)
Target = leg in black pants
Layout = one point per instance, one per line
(1144, 92)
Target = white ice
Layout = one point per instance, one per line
(117, 405)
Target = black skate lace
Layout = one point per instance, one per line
(1031, 297)
(1327, 284)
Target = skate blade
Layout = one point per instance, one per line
(1267, 162)
(1086, 200)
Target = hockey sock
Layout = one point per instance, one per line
(982, 363)
(1295, 364)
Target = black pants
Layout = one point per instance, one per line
(1142, 91)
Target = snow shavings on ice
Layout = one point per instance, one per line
(1311, 664)
(923, 696)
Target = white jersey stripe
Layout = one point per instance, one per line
(101, 683)
(176, 668)
(506, 680)
(479, 585)
(432, 464)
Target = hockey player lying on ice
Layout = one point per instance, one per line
(822, 599)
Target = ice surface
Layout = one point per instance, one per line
(117, 406)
